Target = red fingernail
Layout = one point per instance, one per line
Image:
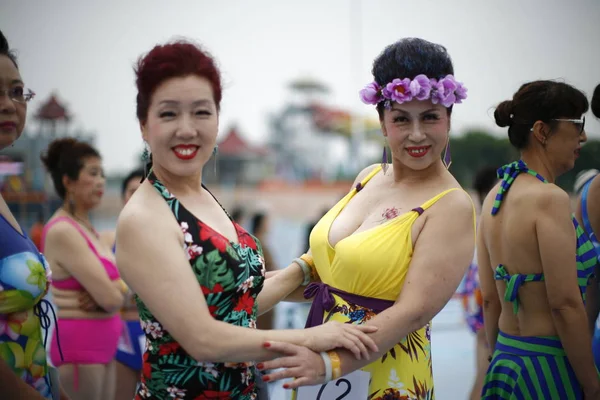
(267, 344)
(260, 365)
(266, 378)
(286, 386)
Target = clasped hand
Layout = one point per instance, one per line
(305, 364)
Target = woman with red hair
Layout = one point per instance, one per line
(198, 276)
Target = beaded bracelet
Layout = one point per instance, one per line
(328, 369)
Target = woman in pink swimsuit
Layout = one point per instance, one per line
(81, 264)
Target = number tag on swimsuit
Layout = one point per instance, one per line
(354, 386)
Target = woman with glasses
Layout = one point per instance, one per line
(535, 261)
(24, 274)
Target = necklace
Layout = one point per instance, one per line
(84, 223)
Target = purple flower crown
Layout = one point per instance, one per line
(445, 91)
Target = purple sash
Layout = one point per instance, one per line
(322, 295)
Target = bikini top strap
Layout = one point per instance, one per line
(587, 225)
(360, 185)
(75, 225)
(508, 173)
(514, 283)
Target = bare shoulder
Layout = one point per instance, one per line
(145, 214)
(550, 198)
(456, 201)
(62, 231)
(364, 173)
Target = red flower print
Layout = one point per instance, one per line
(245, 303)
(216, 239)
(214, 395)
(218, 288)
(249, 389)
(245, 238)
(169, 348)
(213, 311)
(147, 368)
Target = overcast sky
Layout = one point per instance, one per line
(85, 51)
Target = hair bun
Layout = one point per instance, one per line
(596, 102)
(4, 48)
(55, 151)
(503, 113)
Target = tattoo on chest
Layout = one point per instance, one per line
(390, 213)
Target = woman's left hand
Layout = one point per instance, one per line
(304, 365)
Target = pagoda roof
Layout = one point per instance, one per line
(235, 145)
(53, 110)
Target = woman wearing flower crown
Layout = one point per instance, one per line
(392, 252)
(535, 261)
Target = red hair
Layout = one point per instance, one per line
(171, 60)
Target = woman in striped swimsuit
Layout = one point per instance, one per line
(588, 215)
(534, 255)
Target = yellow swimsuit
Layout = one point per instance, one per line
(362, 275)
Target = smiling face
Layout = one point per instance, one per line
(417, 132)
(182, 125)
(12, 113)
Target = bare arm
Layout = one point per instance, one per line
(432, 278)
(491, 300)
(280, 285)
(557, 244)
(67, 247)
(156, 268)
(13, 387)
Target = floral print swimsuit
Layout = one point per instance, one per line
(230, 275)
(24, 308)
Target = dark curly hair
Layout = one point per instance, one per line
(538, 101)
(66, 156)
(408, 58)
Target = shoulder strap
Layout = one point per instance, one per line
(435, 199)
(508, 173)
(587, 225)
(75, 225)
(371, 174)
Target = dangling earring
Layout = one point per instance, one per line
(447, 160)
(71, 205)
(214, 153)
(147, 160)
(384, 158)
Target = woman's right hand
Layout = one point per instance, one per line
(333, 334)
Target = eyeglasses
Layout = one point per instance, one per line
(579, 123)
(18, 94)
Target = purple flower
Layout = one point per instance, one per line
(398, 90)
(444, 91)
(420, 87)
(371, 94)
(461, 93)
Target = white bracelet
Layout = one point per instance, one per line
(305, 270)
(328, 368)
